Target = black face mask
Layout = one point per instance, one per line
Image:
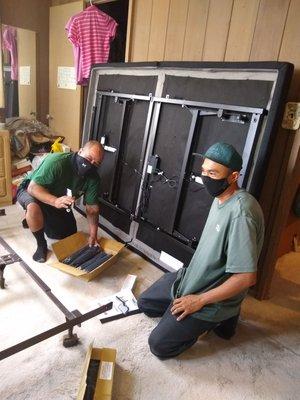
(215, 187)
(82, 165)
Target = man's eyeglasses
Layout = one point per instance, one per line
(122, 306)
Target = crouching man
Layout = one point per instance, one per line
(207, 295)
(45, 197)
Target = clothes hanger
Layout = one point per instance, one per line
(91, 2)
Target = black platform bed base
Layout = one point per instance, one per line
(153, 120)
(73, 318)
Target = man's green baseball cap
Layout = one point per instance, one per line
(225, 154)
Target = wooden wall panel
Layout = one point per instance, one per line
(269, 30)
(217, 28)
(158, 30)
(232, 30)
(194, 38)
(241, 30)
(176, 30)
(140, 33)
(290, 46)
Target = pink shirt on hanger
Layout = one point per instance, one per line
(91, 32)
(9, 36)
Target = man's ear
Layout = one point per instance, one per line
(235, 176)
(80, 151)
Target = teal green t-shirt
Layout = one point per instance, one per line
(56, 174)
(230, 243)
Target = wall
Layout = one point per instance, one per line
(33, 15)
(233, 30)
(60, 2)
(217, 30)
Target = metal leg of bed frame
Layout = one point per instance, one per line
(2, 280)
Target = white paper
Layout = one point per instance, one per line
(106, 370)
(170, 260)
(129, 282)
(118, 307)
(24, 75)
(66, 78)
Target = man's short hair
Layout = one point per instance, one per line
(92, 143)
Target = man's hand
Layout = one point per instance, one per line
(234, 285)
(64, 202)
(187, 305)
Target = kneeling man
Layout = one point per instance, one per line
(207, 295)
(45, 197)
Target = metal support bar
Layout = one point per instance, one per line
(2, 280)
(96, 115)
(115, 177)
(248, 148)
(53, 331)
(200, 104)
(195, 104)
(142, 157)
(124, 95)
(39, 282)
(187, 151)
(151, 141)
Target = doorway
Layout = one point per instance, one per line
(118, 10)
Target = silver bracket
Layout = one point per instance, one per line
(227, 116)
(9, 259)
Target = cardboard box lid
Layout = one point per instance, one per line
(104, 382)
(82, 385)
(107, 357)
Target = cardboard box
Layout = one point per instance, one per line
(104, 382)
(63, 248)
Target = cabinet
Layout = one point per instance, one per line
(5, 169)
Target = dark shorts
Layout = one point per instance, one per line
(58, 223)
(24, 198)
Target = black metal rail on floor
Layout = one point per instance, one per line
(53, 331)
(72, 317)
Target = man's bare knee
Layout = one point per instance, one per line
(33, 209)
(34, 217)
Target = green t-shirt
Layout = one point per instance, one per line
(56, 174)
(230, 243)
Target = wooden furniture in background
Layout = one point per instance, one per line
(5, 169)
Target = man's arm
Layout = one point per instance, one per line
(234, 285)
(42, 194)
(92, 213)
